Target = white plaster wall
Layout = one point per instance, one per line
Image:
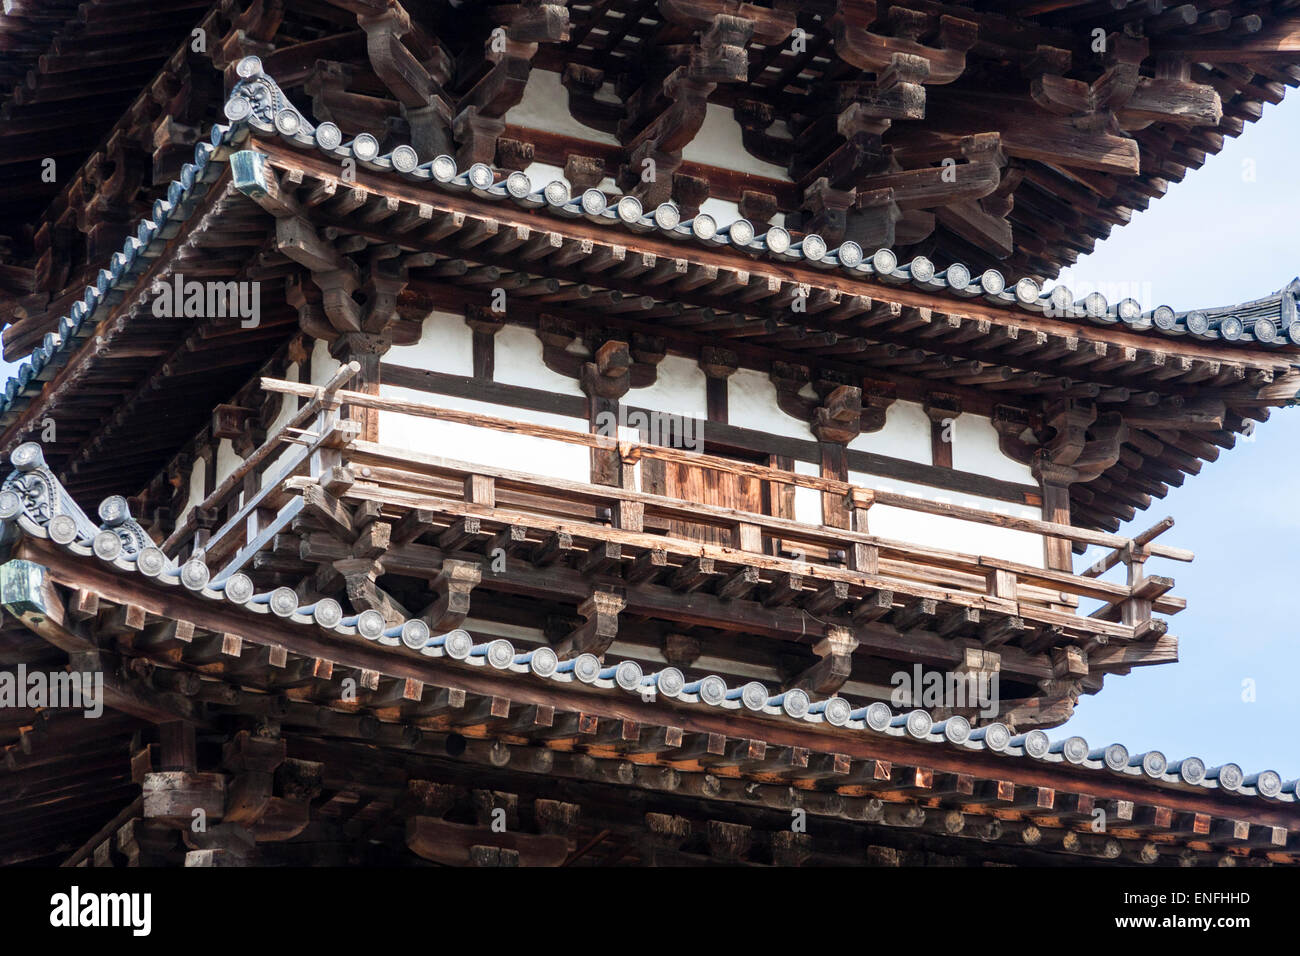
(807, 501)
(543, 173)
(780, 130)
(540, 174)
(196, 494)
(719, 143)
(723, 211)
(227, 461)
(545, 106)
(446, 345)
(952, 534)
(323, 365)
(906, 434)
(680, 388)
(485, 446)
(519, 362)
(975, 449)
(751, 403)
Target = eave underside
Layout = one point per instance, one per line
(1070, 155)
(416, 765)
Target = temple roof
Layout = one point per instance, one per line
(981, 313)
(852, 102)
(1274, 327)
(1029, 70)
(1236, 323)
(1085, 138)
(1270, 321)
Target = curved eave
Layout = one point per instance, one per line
(122, 280)
(624, 214)
(1266, 321)
(621, 213)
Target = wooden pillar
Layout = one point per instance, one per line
(862, 557)
(835, 423)
(1053, 466)
(367, 350)
(605, 380)
(942, 411)
(1056, 507)
(718, 365)
(485, 326)
(1136, 611)
(834, 465)
(177, 748)
(606, 465)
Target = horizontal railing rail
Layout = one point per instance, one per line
(404, 478)
(861, 496)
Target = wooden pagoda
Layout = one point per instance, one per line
(542, 433)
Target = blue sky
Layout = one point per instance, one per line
(1216, 238)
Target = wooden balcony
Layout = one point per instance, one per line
(384, 521)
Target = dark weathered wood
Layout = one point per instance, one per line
(145, 402)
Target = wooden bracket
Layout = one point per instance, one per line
(835, 666)
(601, 612)
(452, 586)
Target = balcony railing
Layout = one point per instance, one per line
(467, 506)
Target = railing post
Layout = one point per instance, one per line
(1001, 584)
(205, 521)
(481, 490)
(1056, 508)
(324, 457)
(747, 537)
(629, 515)
(862, 557)
(1057, 552)
(630, 459)
(253, 520)
(1136, 610)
